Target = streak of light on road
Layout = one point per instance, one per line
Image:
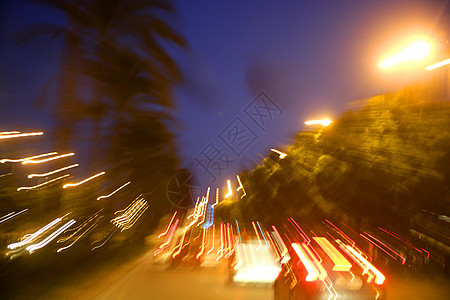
(39, 161)
(83, 181)
(42, 184)
(118, 189)
(53, 172)
(5, 160)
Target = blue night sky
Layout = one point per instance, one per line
(310, 57)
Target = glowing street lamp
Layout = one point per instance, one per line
(323, 122)
(415, 51)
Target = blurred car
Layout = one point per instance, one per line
(315, 273)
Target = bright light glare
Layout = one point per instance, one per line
(323, 122)
(9, 136)
(437, 65)
(415, 51)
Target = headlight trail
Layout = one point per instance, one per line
(4, 160)
(48, 239)
(9, 132)
(110, 234)
(32, 161)
(52, 172)
(16, 135)
(31, 237)
(83, 233)
(83, 181)
(11, 215)
(131, 215)
(118, 189)
(77, 229)
(42, 184)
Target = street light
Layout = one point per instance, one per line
(415, 51)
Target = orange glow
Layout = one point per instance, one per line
(415, 51)
(437, 65)
(340, 262)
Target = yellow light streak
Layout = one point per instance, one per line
(229, 189)
(83, 181)
(4, 160)
(87, 230)
(9, 132)
(32, 161)
(42, 184)
(323, 122)
(415, 51)
(217, 198)
(52, 172)
(282, 154)
(48, 239)
(364, 263)
(240, 187)
(339, 260)
(131, 215)
(313, 273)
(437, 65)
(9, 136)
(118, 189)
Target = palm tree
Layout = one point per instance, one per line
(96, 31)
